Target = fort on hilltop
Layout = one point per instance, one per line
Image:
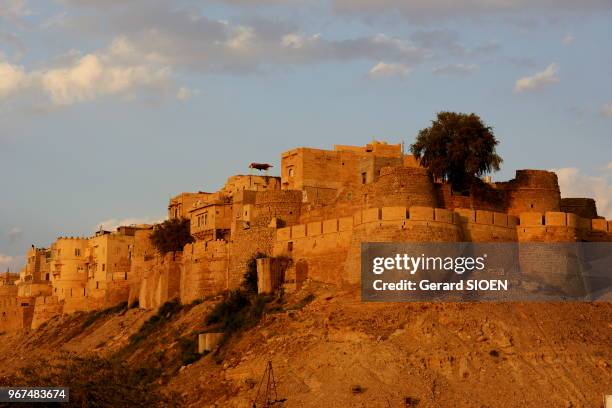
(317, 213)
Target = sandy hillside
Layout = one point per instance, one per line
(338, 352)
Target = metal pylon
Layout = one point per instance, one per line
(267, 396)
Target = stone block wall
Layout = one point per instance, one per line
(583, 207)
(161, 280)
(283, 205)
(402, 186)
(243, 245)
(486, 226)
(532, 190)
(328, 251)
(205, 269)
(45, 308)
(554, 226)
(15, 311)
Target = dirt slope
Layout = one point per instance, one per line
(339, 352)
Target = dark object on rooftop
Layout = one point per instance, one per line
(260, 166)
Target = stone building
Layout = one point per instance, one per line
(108, 264)
(35, 277)
(69, 272)
(181, 205)
(15, 311)
(316, 214)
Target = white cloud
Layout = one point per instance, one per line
(117, 70)
(386, 70)
(575, 184)
(12, 79)
(457, 69)
(112, 224)
(184, 93)
(297, 41)
(144, 58)
(4, 260)
(608, 166)
(186, 39)
(606, 110)
(13, 263)
(93, 75)
(568, 40)
(242, 39)
(14, 234)
(539, 80)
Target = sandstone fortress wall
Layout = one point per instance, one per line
(316, 214)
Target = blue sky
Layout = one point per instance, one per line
(108, 107)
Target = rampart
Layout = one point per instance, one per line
(45, 308)
(402, 186)
(583, 207)
(205, 269)
(161, 280)
(532, 190)
(318, 213)
(329, 250)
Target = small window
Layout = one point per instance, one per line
(125, 276)
(290, 171)
(290, 246)
(47, 277)
(364, 178)
(103, 267)
(97, 285)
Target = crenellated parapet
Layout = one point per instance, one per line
(461, 217)
(553, 226)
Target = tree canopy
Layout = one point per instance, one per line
(457, 147)
(171, 235)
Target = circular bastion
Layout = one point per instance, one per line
(532, 191)
(403, 186)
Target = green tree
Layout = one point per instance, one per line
(457, 147)
(171, 235)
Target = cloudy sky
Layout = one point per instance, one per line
(109, 107)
